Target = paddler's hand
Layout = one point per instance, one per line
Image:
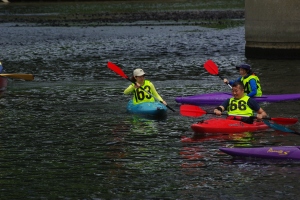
(261, 114)
(165, 103)
(137, 85)
(217, 112)
(259, 117)
(226, 81)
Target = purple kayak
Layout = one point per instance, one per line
(218, 98)
(278, 152)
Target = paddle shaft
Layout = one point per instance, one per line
(253, 117)
(223, 80)
(27, 77)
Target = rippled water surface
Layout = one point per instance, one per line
(66, 135)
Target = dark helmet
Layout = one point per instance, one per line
(244, 66)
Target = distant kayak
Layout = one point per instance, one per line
(223, 125)
(150, 109)
(217, 98)
(278, 152)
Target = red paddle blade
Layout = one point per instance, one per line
(211, 67)
(285, 121)
(116, 69)
(191, 111)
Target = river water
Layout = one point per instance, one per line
(66, 135)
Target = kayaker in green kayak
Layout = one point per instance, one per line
(241, 105)
(250, 80)
(139, 95)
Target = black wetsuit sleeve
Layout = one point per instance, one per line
(225, 104)
(253, 105)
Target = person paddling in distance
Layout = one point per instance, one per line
(250, 80)
(1, 68)
(241, 105)
(139, 95)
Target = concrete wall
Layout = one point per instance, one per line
(272, 28)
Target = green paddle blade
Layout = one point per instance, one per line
(279, 127)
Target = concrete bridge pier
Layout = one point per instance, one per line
(272, 29)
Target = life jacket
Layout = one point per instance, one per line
(248, 87)
(140, 96)
(239, 107)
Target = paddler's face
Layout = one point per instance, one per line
(237, 92)
(140, 79)
(243, 72)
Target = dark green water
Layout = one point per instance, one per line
(66, 135)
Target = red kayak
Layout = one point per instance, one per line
(222, 125)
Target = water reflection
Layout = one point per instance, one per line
(243, 139)
(196, 149)
(137, 126)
